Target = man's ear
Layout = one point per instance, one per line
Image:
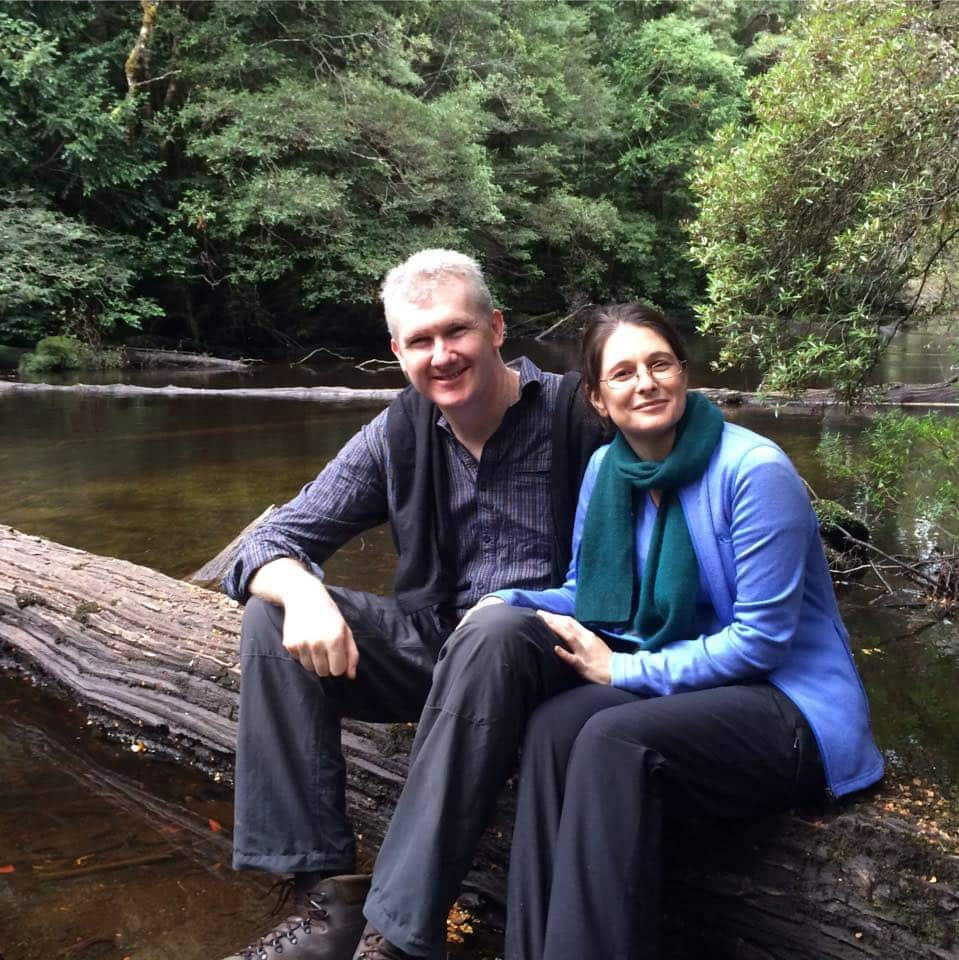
(498, 326)
(395, 347)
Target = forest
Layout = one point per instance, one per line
(242, 174)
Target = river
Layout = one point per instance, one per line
(166, 482)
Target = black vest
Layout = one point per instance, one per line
(420, 520)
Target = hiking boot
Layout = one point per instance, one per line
(326, 923)
(374, 946)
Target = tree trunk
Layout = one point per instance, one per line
(945, 395)
(873, 878)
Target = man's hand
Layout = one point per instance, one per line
(582, 649)
(314, 631)
(485, 602)
(316, 635)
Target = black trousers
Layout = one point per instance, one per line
(600, 769)
(472, 693)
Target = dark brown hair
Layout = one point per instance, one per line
(600, 326)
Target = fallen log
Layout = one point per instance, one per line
(333, 396)
(215, 569)
(877, 877)
(142, 357)
(932, 395)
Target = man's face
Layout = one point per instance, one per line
(448, 347)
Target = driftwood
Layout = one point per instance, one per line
(334, 396)
(944, 395)
(140, 357)
(213, 571)
(873, 878)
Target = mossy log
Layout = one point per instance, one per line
(877, 877)
(939, 395)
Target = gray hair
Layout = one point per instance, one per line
(414, 281)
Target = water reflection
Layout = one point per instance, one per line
(109, 856)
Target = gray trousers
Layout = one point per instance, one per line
(472, 693)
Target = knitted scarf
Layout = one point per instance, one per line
(662, 607)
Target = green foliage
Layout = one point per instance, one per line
(57, 273)
(674, 87)
(901, 459)
(57, 354)
(262, 164)
(821, 225)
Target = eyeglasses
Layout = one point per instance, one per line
(660, 370)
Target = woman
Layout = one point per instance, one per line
(700, 610)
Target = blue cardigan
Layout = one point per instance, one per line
(756, 538)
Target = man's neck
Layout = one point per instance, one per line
(475, 425)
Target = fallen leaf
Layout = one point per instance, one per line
(215, 825)
(8, 868)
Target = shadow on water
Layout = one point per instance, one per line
(113, 854)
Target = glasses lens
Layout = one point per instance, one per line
(658, 370)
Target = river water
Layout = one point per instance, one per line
(108, 854)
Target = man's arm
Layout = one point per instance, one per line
(277, 562)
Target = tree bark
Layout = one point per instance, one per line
(132, 68)
(877, 877)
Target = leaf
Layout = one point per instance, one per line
(215, 825)
(8, 868)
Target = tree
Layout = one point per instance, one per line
(256, 167)
(821, 226)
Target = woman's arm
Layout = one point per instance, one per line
(561, 599)
(770, 532)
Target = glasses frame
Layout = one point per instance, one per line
(643, 368)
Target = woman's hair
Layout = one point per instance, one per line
(600, 326)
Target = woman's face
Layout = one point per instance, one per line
(645, 409)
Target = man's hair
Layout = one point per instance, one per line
(414, 281)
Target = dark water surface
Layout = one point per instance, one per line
(167, 482)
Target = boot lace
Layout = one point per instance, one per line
(293, 927)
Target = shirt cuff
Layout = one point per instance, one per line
(622, 669)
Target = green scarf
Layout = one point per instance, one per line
(606, 595)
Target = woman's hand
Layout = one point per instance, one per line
(581, 648)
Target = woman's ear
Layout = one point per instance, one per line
(597, 401)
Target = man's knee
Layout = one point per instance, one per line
(498, 634)
(261, 631)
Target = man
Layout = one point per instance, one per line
(476, 466)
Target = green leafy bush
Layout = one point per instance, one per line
(821, 225)
(902, 460)
(54, 354)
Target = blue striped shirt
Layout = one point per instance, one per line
(500, 506)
